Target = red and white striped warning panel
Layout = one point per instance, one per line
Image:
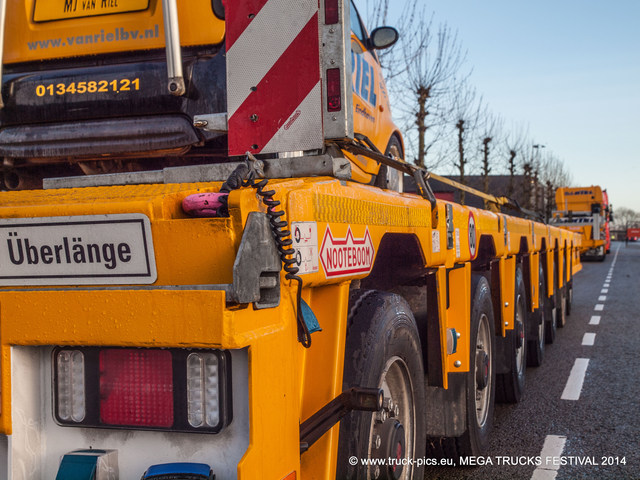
(274, 96)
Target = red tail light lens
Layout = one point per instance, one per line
(331, 12)
(136, 387)
(334, 98)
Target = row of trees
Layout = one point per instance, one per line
(447, 124)
(625, 218)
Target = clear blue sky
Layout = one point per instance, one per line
(569, 69)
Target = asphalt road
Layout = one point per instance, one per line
(596, 435)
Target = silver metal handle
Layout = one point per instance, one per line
(3, 11)
(172, 43)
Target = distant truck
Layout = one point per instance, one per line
(633, 234)
(586, 210)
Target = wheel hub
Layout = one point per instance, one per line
(482, 369)
(519, 334)
(391, 445)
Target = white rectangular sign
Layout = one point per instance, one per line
(79, 250)
(305, 244)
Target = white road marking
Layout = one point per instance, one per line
(543, 474)
(551, 449)
(599, 307)
(595, 320)
(606, 285)
(573, 388)
(604, 290)
(602, 298)
(589, 339)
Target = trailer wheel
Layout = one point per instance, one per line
(569, 298)
(510, 385)
(383, 350)
(551, 317)
(535, 347)
(481, 378)
(561, 302)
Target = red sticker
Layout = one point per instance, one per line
(346, 256)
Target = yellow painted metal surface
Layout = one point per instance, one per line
(287, 383)
(86, 28)
(459, 315)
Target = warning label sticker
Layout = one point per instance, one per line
(305, 244)
(435, 241)
(346, 256)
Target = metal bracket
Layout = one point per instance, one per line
(211, 122)
(256, 271)
(356, 398)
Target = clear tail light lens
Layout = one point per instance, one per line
(70, 385)
(203, 390)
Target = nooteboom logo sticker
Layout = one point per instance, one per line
(346, 256)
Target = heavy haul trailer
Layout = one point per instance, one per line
(586, 210)
(139, 341)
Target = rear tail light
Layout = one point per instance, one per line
(331, 12)
(157, 389)
(71, 385)
(334, 96)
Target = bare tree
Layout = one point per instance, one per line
(515, 143)
(466, 107)
(433, 64)
(553, 175)
(491, 128)
(626, 218)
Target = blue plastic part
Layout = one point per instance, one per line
(178, 468)
(77, 467)
(309, 317)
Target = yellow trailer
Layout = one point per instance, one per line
(285, 311)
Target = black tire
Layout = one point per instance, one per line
(510, 385)
(561, 307)
(569, 298)
(550, 321)
(383, 350)
(537, 326)
(561, 299)
(480, 381)
(389, 178)
(480, 401)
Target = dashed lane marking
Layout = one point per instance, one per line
(552, 448)
(589, 339)
(595, 320)
(599, 307)
(602, 298)
(573, 388)
(604, 290)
